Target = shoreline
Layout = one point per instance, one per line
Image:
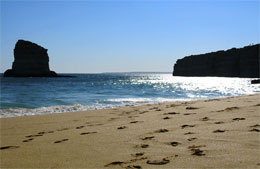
(214, 133)
(93, 108)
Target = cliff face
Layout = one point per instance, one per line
(30, 60)
(242, 62)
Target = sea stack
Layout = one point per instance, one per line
(30, 60)
(241, 62)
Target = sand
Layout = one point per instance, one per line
(218, 133)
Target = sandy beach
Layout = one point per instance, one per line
(217, 133)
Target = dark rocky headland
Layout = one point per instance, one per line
(30, 60)
(241, 62)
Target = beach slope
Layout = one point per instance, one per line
(218, 133)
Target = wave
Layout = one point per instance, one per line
(112, 103)
(14, 112)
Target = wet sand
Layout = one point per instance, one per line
(218, 133)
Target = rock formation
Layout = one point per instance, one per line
(241, 62)
(256, 81)
(30, 60)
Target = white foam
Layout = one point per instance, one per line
(13, 112)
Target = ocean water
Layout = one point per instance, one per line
(31, 96)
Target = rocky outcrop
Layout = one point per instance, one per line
(256, 81)
(30, 60)
(242, 62)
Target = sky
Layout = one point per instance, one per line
(126, 36)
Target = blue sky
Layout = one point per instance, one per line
(124, 36)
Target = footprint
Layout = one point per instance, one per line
(173, 105)
(158, 162)
(41, 133)
(187, 125)
(114, 118)
(135, 122)
(148, 138)
(133, 167)
(88, 133)
(174, 143)
(186, 114)
(255, 130)
(28, 140)
(154, 108)
(36, 135)
(138, 154)
(114, 163)
(171, 113)
(205, 119)
(161, 131)
(142, 146)
(189, 133)
(132, 117)
(191, 139)
(143, 112)
(60, 141)
(80, 127)
(231, 108)
(166, 118)
(219, 131)
(8, 147)
(256, 125)
(219, 122)
(197, 152)
(237, 119)
(122, 127)
(191, 108)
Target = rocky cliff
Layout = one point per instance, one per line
(241, 62)
(30, 60)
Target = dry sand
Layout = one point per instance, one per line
(218, 133)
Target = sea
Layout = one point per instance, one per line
(32, 96)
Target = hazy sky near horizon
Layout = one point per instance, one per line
(124, 36)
